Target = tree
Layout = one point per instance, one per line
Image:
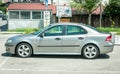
(113, 9)
(0, 5)
(86, 5)
(3, 6)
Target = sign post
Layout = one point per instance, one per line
(46, 18)
(46, 14)
(64, 11)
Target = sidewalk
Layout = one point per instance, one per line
(117, 40)
(5, 32)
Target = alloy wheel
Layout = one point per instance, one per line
(24, 50)
(90, 51)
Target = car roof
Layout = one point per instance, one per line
(85, 26)
(67, 23)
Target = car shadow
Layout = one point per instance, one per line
(6, 54)
(102, 56)
(58, 56)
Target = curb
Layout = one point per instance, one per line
(12, 33)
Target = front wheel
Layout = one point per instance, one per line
(90, 51)
(24, 50)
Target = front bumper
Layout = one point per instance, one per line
(10, 48)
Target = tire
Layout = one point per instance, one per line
(90, 51)
(24, 50)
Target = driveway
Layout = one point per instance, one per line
(58, 64)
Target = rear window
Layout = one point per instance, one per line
(75, 30)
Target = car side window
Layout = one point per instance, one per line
(54, 31)
(75, 30)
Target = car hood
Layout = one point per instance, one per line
(21, 36)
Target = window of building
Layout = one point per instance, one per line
(25, 14)
(14, 14)
(36, 15)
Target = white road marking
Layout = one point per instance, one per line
(10, 69)
(4, 61)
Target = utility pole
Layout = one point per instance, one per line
(58, 10)
(100, 13)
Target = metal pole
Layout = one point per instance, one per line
(100, 13)
(58, 12)
(46, 6)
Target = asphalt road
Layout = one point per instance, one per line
(56, 64)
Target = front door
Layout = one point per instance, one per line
(52, 40)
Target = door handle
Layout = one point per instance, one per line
(80, 38)
(57, 39)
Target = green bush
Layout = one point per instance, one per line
(25, 30)
(28, 30)
(31, 30)
(117, 30)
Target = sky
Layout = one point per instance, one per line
(105, 1)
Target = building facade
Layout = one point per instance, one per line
(35, 13)
(30, 13)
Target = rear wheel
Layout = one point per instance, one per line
(24, 50)
(90, 51)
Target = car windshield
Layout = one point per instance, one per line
(41, 30)
(36, 33)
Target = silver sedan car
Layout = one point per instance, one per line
(62, 39)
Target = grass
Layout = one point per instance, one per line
(117, 30)
(31, 30)
(25, 30)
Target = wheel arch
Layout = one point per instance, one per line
(90, 44)
(23, 42)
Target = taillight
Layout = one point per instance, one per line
(109, 38)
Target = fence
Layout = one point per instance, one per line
(96, 20)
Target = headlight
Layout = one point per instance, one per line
(9, 41)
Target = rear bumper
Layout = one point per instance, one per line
(107, 48)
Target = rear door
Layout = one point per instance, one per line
(74, 38)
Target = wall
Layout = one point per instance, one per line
(14, 24)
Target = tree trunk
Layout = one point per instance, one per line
(89, 18)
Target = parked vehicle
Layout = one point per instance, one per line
(1, 15)
(62, 39)
(4, 17)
